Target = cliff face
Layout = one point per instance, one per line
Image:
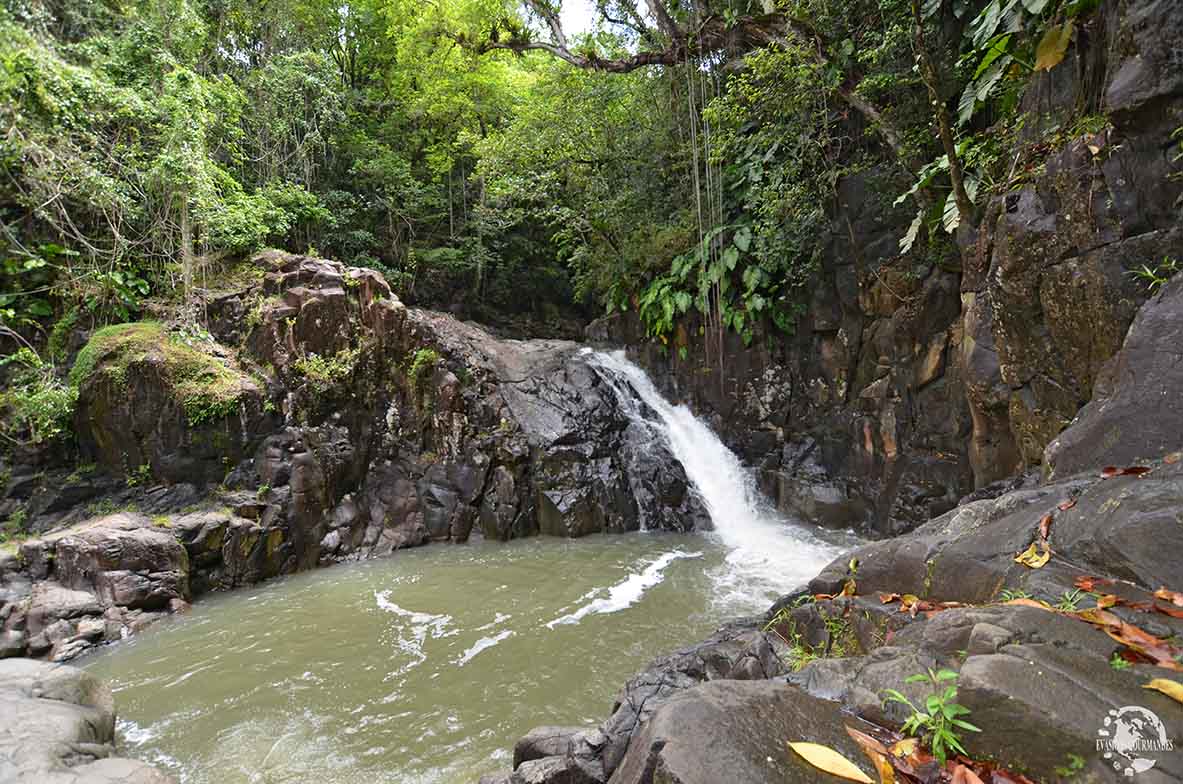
(911, 382)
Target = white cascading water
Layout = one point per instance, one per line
(766, 553)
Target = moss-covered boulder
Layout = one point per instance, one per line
(159, 404)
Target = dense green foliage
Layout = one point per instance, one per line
(149, 145)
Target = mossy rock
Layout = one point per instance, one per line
(148, 396)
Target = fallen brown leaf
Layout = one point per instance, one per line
(1066, 505)
(1174, 597)
(1108, 472)
(865, 741)
(963, 775)
(1174, 612)
(1045, 526)
(1090, 584)
(1030, 603)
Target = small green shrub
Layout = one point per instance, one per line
(37, 405)
(324, 373)
(423, 363)
(1118, 663)
(14, 525)
(1157, 277)
(938, 724)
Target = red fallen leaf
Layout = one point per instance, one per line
(1066, 505)
(1107, 601)
(1174, 597)
(963, 775)
(1108, 472)
(1090, 584)
(1045, 526)
(1174, 612)
(888, 598)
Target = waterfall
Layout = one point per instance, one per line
(767, 553)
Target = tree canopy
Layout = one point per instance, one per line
(679, 156)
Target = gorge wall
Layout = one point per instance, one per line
(913, 381)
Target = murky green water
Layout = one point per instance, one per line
(422, 667)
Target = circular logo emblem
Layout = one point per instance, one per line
(1129, 736)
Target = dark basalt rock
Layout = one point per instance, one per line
(1137, 408)
(734, 731)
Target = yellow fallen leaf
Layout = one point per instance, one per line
(1032, 559)
(825, 758)
(882, 767)
(848, 589)
(1172, 689)
(903, 748)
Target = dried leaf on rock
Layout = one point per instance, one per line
(1066, 505)
(963, 775)
(1172, 689)
(1030, 603)
(1174, 597)
(1108, 472)
(1033, 559)
(825, 758)
(1090, 584)
(1045, 526)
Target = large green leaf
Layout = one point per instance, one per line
(909, 239)
(731, 257)
(743, 239)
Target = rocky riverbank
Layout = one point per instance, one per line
(1040, 666)
(59, 728)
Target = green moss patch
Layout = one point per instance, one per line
(203, 384)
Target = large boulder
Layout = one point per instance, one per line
(153, 403)
(734, 731)
(1137, 409)
(59, 728)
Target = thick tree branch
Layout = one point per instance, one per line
(928, 72)
(713, 34)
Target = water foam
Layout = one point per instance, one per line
(767, 554)
(483, 644)
(421, 625)
(625, 593)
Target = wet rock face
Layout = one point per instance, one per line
(59, 728)
(1137, 409)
